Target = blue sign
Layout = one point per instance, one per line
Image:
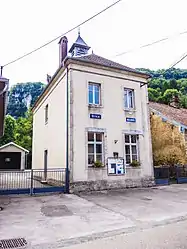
(95, 116)
(131, 120)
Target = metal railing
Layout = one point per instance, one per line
(182, 174)
(161, 172)
(170, 174)
(32, 181)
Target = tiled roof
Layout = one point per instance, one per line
(95, 59)
(175, 114)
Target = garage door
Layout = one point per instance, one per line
(10, 160)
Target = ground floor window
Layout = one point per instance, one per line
(95, 147)
(131, 148)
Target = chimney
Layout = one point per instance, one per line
(175, 102)
(63, 49)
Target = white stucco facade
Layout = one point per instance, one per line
(51, 135)
(112, 124)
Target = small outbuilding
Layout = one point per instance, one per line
(12, 157)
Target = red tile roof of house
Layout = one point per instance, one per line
(175, 114)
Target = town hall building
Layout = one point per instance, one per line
(93, 118)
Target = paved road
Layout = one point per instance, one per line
(172, 236)
(48, 222)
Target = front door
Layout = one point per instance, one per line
(45, 164)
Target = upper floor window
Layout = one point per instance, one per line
(46, 113)
(129, 101)
(94, 93)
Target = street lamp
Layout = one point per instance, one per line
(3, 104)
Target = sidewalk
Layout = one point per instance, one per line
(63, 220)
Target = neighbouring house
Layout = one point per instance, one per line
(13, 157)
(107, 116)
(3, 101)
(173, 114)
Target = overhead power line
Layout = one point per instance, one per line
(151, 44)
(178, 61)
(75, 27)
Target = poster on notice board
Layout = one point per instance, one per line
(115, 166)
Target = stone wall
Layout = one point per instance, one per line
(88, 186)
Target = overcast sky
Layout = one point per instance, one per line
(27, 24)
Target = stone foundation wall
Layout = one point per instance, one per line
(88, 186)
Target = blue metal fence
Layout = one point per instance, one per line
(32, 181)
(161, 175)
(165, 175)
(182, 174)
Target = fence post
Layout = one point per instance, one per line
(31, 190)
(67, 181)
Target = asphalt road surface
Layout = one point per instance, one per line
(172, 236)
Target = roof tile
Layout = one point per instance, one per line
(95, 59)
(179, 115)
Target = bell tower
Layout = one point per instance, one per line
(79, 47)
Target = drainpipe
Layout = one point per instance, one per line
(67, 132)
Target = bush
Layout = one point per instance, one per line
(97, 164)
(167, 142)
(135, 163)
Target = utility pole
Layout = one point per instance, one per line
(1, 71)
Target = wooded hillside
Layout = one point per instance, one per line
(165, 84)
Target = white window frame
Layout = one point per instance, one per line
(130, 145)
(46, 113)
(95, 143)
(127, 95)
(94, 84)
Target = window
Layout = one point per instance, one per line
(46, 113)
(129, 99)
(95, 147)
(94, 94)
(131, 148)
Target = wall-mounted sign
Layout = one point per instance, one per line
(95, 116)
(130, 120)
(115, 166)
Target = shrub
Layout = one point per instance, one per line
(97, 164)
(167, 142)
(135, 163)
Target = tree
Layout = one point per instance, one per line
(183, 101)
(167, 142)
(162, 80)
(169, 94)
(22, 96)
(9, 132)
(154, 94)
(18, 131)
(23, 131)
